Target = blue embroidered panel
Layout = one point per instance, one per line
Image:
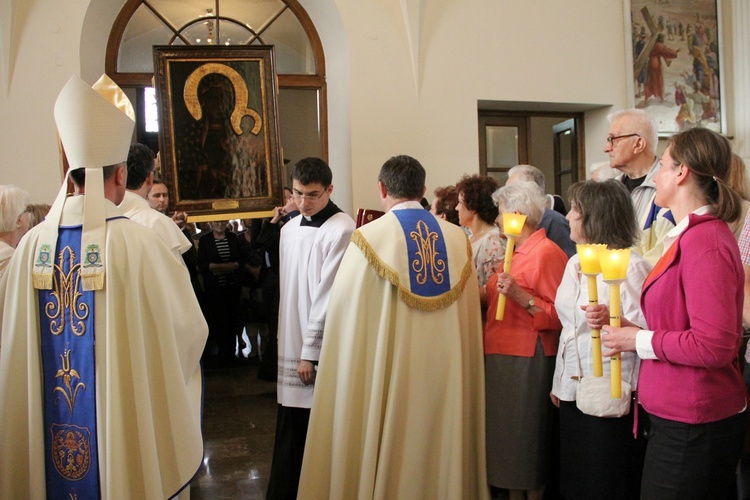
(428, 257)
(69, 376)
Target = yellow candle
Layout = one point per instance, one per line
(614, 263)
(596, 340)
(509, 247)
(512, 227)
(590, 266)
(614, 269)
(615, 364)
(513, 223)
(589, 257)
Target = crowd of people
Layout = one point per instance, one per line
(409, 361)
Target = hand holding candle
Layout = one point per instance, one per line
(614, 265)
(590, 266)
(512, 226)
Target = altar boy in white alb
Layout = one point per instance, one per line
(311, 248)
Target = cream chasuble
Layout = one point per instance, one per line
(398, 410)
(149, 335)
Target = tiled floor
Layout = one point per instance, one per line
(239, 421)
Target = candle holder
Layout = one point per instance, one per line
(614, 265)
(512, 226)
(590, 266)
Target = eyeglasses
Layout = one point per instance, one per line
(309, 197)
(611, 140)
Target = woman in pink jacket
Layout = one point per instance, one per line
(689, 382)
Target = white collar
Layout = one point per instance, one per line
(407, 204)
(677, 230)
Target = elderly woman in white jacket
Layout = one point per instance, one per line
(599, 457)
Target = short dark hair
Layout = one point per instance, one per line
(447, 200)
(78, 176)
(403, 177)
(607, 212)
(140, 165)
(312, 170)
(477, 195)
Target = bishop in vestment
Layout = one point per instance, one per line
(100, 382)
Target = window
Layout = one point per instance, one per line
(149, 110)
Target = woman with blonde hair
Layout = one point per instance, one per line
(14, 221)
(37, 213)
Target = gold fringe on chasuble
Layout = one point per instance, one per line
(410, 299)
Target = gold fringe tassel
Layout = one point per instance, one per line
(93, 281)
(42, 281)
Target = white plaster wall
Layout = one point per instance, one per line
(403, 76)
(39, 60)
(423, 102)
(333, 36)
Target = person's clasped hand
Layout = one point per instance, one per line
(597, 316)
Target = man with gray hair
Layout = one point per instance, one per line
(631, 146)
(554, 223)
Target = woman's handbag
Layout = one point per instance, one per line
(594, 394)
(593, 397)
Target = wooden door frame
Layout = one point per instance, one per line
(497, 117)
(576, 145)
(491, 118)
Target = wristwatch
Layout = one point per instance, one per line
(530, 304)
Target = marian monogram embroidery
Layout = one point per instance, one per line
(427, 264)
(66, 297)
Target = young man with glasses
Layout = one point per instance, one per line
(311, 247)
(631, 146)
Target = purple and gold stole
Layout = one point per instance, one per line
(69, 375)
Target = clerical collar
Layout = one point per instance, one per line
(319, 219)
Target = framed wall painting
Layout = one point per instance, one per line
(219, 132)
(674, 63)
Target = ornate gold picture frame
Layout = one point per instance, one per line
(219, 131)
